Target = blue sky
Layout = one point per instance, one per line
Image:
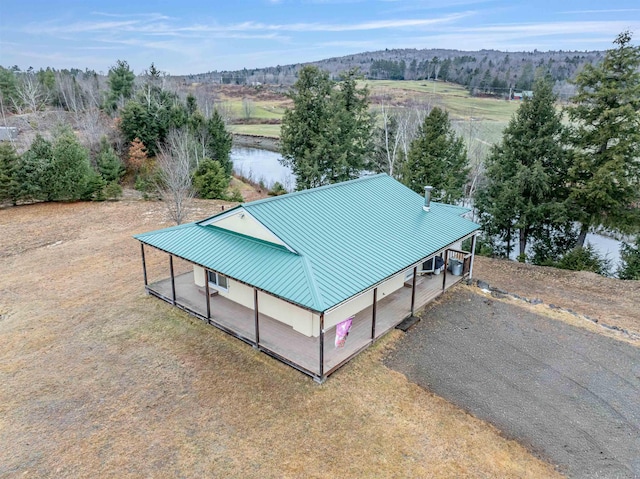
(191, 36)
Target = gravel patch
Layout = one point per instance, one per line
(568, 394)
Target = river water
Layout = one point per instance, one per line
(263, 165)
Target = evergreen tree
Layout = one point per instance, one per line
(121, 80)
(35, 171)
(8, 89)
(630, 256)
(151, 115)
(437, 157)
(353, 126)
(305, 138)
(137, 155)
(109, 165)
(525, 186)
(219, 142)
(8, 173)
(211, 180)
(605, 171)
(72, 177)
(326, 135)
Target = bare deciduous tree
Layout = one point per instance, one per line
(32, 97)
(392, 137)
(175, 166)
(248, 108)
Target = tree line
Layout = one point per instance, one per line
(487, 72)
(157, 132)
(542, 188)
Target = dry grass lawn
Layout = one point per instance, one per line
(99, 380)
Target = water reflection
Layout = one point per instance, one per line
(262, 165)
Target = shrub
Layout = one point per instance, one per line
(210, 180)
(484, 246)
(277, 189)
(109, 165)
(236, 195)
(585, 259)
(551, 243)
(112, 191)
(630, 260)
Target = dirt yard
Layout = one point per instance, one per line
(99, 380)
(611, 301)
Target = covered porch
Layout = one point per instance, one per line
(315, 355)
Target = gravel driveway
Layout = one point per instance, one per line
(570, 395)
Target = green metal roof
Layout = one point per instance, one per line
(347, 237)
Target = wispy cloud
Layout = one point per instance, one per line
(149, 15)
(155, 24)
(553, 28)
(607, 10)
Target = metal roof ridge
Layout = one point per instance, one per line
(164, 230)
(223, 212)
(312, 190)
(439, 203)
(248, 238)
(316, 294)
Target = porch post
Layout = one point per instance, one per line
(413, 289)
(373, 314)
(144, 264)
(321, 345)
(207, 293)
(446, 264)
(173, 281)
(473, 254)
(256, 315)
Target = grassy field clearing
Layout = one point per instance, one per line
(272, 131)
(453, 98)
(263, 110)
(99, 380)
(488, 115)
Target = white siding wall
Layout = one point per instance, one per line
(243, 223)
(299, 319)
(362, 301)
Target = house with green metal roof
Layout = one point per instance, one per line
(313, 277)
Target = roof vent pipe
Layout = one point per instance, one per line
(427, 198)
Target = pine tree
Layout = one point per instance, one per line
(305, 138)
(353, 125)
(137, 155)
(327, 135)
(121, 80)
(8, 173)
(525, 186)
(605, 171)
(109, 165)
(35, 171)
(219, 142)
(151, 115)
(437, 157)
(210, 180)
(72, 177)
(630, 264)
(8, 90)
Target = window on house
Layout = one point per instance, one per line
(218, 280)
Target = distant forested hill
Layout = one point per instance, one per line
(483, 72)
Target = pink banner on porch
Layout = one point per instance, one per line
(342, 331)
